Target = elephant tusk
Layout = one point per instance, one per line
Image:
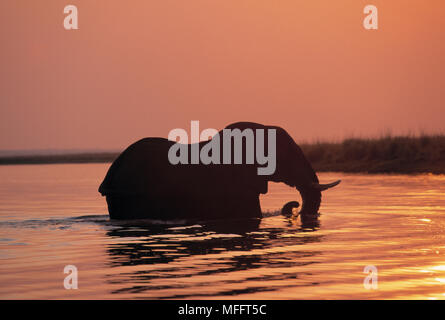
(323, 187)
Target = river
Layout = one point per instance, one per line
(52, 216)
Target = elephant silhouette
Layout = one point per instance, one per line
(142, 183)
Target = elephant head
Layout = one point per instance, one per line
(293, 169)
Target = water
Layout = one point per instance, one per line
(52, 216)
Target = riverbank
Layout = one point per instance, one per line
(424, 154)
(92, 157)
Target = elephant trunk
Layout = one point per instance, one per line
(311, 195)
(311, 201)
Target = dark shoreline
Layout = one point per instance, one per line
(404, 155)
(59, 159)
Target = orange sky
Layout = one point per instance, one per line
(141, 68)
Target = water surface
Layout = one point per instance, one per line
(52, 216)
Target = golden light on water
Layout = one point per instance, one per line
(438, 268)
(389, 226)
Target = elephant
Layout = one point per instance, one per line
(142, 183)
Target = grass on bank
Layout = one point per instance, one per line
(389, 154)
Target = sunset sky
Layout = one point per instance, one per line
(141, 68)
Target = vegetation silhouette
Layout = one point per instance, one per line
(387, 154)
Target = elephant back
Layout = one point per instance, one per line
(137, 169)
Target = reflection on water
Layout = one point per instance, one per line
(52, 216)
(216, 251)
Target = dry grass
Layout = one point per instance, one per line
(388, 154)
